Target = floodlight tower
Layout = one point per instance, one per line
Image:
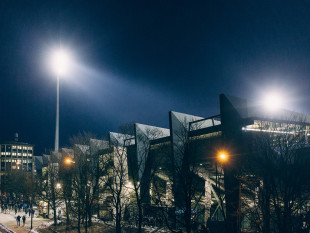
(60, 64)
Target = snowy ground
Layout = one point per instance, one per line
(9, 220)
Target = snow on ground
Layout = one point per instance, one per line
(9, 220)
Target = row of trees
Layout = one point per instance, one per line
(275, 178)
(71, 184)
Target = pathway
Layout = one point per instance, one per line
(9, 220)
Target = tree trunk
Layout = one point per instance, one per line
(118, 227)
(266, 212)
(86, 209)
(89, 210)
(55, 217)
(48, 209)
(54, 204)
(187, 217)
(90, 217)
(79, 216)
(86, 222)
(140, 217)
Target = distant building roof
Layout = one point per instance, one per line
(16, 143)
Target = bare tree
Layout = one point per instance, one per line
(142, 165)
(187, 187)
(17, 183)
(49, 188)
(86, 175)
(66, 177)
(114, 165)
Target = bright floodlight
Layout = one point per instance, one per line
(273, 102)
(60, 62)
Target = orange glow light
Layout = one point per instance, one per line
(222, 157)
(68, 161)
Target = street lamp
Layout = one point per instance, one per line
(69, 161)
(222, 157)
(60, 63)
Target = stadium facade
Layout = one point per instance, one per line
(170, 166)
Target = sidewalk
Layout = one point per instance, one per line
(10, 221)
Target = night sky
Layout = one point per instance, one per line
(136, 60)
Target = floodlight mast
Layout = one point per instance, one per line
(57, 118)
(60, 64)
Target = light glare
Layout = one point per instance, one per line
(222, 157)
(69, 161)
(60, 62)
(273, 102)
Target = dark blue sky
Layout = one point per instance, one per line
(136, 60)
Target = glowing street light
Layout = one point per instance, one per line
(222, 157)
(60, 64)
(69, 161)
(58, 185)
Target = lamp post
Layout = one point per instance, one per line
(57, 118)
(67, 191)
(222, 158)
(60, 64)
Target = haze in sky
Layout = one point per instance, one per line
(133, 61)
